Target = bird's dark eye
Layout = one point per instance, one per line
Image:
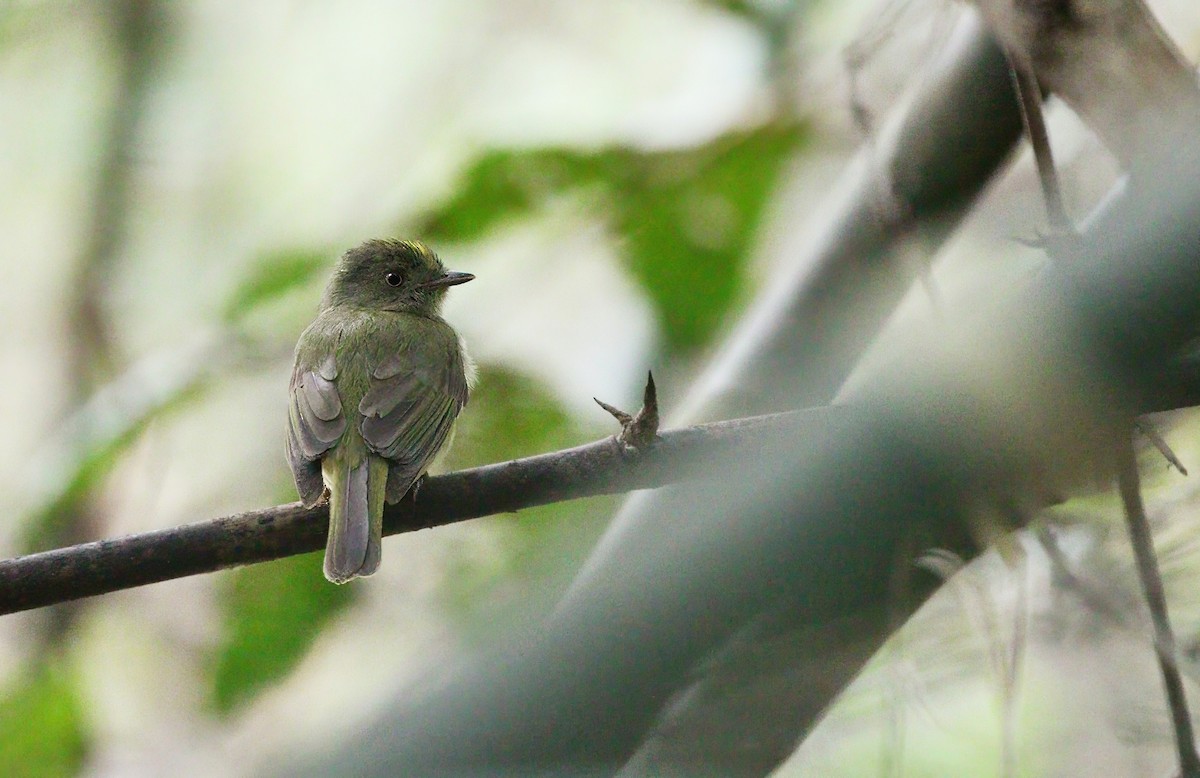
(394, 279)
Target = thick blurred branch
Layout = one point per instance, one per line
(603, 467)
(848, 267)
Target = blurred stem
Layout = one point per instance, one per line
(802, 338)
(1030, 98)
(90, 351)
(91, 355)
(1152, 585)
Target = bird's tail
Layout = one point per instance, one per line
(356, 491)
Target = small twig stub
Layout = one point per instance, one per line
(638, 431)
(1151, 433)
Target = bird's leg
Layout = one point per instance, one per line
(416, 486)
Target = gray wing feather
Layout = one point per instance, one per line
(328, 368)
(320, 397)
(315, 414)
(411, 406)
(315, 424)
(390, 391)
(307, 474)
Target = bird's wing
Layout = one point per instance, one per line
(415, 394)
(315, 423)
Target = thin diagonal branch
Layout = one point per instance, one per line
(1030, 97)
(1152, 586)
(602, 467)
(1147, 429)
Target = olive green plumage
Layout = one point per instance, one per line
(379, 379)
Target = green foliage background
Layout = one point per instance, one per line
(176, 194)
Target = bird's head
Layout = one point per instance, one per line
(392, 275)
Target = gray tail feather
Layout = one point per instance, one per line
(350, 551)
(374, 544)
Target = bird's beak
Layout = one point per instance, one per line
(452, 278)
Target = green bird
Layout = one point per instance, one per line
(379, 380)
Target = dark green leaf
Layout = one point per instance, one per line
(41, 725)
(685, 219)
(273, 612)
(689, 219)
(504, 185)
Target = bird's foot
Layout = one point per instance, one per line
(416, 487)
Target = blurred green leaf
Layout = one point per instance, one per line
(689, 219)
(685, 218)
(747, 8)
(41, 724)
(273, 276)
(272, 614)
(504, 185)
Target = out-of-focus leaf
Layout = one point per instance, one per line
(272, 277)
(504, 185)
(272, 614)
(510, 416)
(747, 8)
(689, 218)
(41, 725)
(685, 218)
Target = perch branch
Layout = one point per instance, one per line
(601, 467)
